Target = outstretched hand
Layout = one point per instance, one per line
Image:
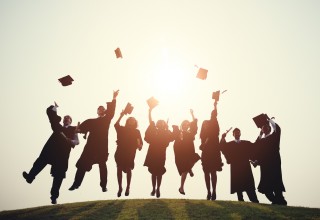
(224, 135)
(115, 94)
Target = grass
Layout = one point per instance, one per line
(161, 209)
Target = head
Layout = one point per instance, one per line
(236, 133)
(162, 125)
(266, 129)
(185, 125)
(100, 111)
(131, 123)
(67, 120)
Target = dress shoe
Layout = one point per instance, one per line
(209, 196)
(153, 192)
(213, 196)
(27, 177)
(73, 187)
(104, 189)
(127, 192)
(119, 192)
(53, 200)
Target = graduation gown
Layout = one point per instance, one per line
(211, 155)
(56, 151)
(267, 152)
(238, 156)
(96, 149)
(158, 141)
(127, 146)
(184, 151)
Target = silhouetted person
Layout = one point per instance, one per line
(55, 152)
(185, 155)
(268, 155)
(96, 149)
(128, 141)
(159, 137)
(238, 154)
(211, 156)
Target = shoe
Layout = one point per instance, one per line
(182, 192)
(73, 187)
(158, 193)
(153, 192)
(191, 173)
(53, 200)
(104, 189)
(27, 177)
(119, 192)
(213, 196)
(127, 192)
(209, 196)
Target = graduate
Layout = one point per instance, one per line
(128, 141)
(96, 149)
(55, 152)
(211, 156)
(238, 154)
(184, 151)
(158, 137)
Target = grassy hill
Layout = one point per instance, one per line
(162, 209)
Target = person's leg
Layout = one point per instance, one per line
(103, 176)
(153, 179)
(270, 196)
(129, 174)
(214, 184)
(207, 180)
(252, 196)
(56, 184)
(119, 176)
(159, 179)
(279, 199)
(37, 167)
(240, 196)
(183, 180)
(77, 179)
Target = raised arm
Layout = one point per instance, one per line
(111, 106)
(150, 116)
(117, 124)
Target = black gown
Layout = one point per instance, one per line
(158, 142)
(267, 152)
(211, 155)
(127, 146)
(184, 151)
(238, 156)
(96, 149)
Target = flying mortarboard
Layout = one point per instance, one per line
(118, 53)
(152, 102)
(202, 73)
(128, 109)
(66, 80)
(216, 95)
(261, 120)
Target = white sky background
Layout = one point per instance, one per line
(265, 53)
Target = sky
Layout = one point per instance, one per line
(264, 53)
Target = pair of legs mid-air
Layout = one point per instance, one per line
(156, 182)
(211, 177)
(183, 180)
(119, 175)
(81, 173)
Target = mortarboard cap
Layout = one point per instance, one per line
(66, 80)
(216, 95)
(202, 73)
(128, 109)
(152, 102)
(118, 53)
(261, 120)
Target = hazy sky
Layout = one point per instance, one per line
(265, 53)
